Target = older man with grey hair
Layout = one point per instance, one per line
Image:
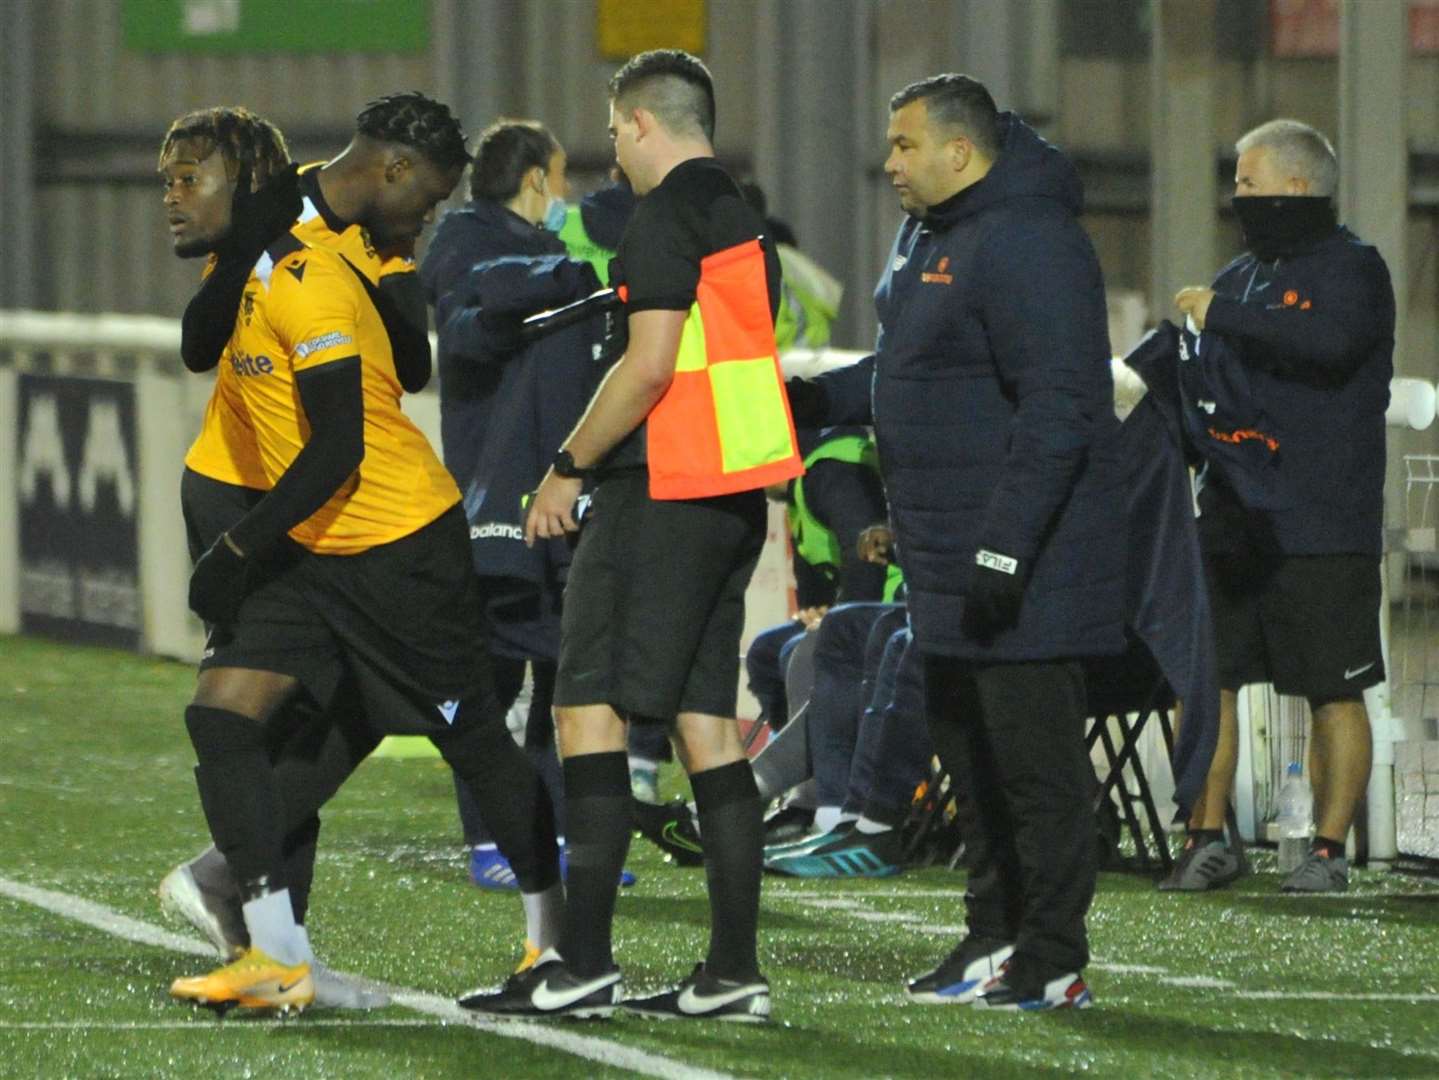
(1307, 316)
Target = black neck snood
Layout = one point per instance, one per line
(1276, 226)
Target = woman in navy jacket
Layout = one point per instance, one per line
(506, 403)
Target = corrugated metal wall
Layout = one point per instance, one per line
(101, 110)
(802, 85)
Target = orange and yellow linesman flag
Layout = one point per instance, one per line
(724, 424)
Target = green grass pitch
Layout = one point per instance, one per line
(97, 802)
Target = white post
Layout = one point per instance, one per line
(9, 502)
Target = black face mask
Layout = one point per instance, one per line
(1279, 225)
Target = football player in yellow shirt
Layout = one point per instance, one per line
(206, 156)
(355, 560)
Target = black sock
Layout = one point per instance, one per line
(1200, 837)
(732, 824)
(299, 852)
(508, 793)
(597, 791)
(239, 796)
(547, 764)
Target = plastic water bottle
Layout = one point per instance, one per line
(1296, 807)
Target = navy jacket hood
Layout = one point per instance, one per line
(1028, 167)
(606, 212)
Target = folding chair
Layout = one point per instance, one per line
(930, 835)
(1125, 693)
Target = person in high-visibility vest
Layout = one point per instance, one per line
(827, 509)
(689, 426)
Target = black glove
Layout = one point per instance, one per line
(257, 218)
(996, 588)
(808, 403)
(217, 584)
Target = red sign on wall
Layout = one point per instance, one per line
(1299, 28)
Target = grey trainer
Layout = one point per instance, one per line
(203, 894)
(336, 991)
(1203, 867)
(1318, 874)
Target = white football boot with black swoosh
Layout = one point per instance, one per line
(548, 989)
(703, 996)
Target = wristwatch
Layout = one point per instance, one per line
(564, 465)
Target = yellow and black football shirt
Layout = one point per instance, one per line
(309, 309)
(226, 450)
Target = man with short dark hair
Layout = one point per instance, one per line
(1294, 573)
(992, 402)
(356, 510)
(689, 426)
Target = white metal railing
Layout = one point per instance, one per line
(168, 403)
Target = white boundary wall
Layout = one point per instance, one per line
(169, 403)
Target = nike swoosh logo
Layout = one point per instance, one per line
(281, 988)
(542, 997)
(694, 1004)
(671, 833)
(1358, 671)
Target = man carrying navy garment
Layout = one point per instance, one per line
(993, 409)
(1293, 565)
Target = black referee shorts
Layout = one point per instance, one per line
(654, 604)
(1307, 623)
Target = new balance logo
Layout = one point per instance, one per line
(324, 341)
(496, 530)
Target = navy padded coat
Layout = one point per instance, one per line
(993, 407)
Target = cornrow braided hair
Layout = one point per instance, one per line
(422, 123)
(246, 140)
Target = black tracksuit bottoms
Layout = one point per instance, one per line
(1011, 737)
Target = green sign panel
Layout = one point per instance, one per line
(238, 26)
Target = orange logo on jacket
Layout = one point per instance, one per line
(938, 275)
(1244, 434)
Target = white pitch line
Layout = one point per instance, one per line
(850, 905)
(1329, 995)
(209, 1026)
(112, 922)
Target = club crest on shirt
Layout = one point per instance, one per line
(940, 274)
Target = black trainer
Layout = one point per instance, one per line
(788, 824)
(1066, 991)
(703, 996)
(960, 975)
(548, 989)
(671, 828)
